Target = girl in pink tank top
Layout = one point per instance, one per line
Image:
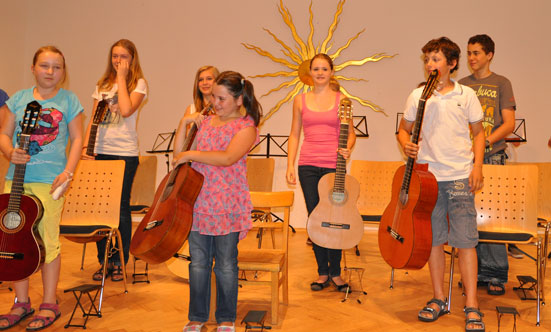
(316, 113)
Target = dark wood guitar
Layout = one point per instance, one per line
(405, 232)
(336, 222)
(99, 117)
(167, 224)
(21, 248)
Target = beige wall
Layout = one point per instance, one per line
(175, 37)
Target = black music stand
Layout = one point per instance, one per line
(163, 144)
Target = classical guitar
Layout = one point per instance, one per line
(405, 232)
(336, 222)
(167, 224)
(21, 248)
(99, 116)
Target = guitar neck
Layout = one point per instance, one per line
(414, 139)
(92, 139)
(18, 178)
(340, 173)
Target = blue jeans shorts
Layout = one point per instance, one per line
(456, 202)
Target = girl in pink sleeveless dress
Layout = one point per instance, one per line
(221, 215)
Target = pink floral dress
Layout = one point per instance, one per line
(224, 203)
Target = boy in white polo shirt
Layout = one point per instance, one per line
(446, 145)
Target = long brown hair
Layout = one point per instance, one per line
(197, 94)
(105, 83)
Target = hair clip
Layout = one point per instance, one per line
(242, 82)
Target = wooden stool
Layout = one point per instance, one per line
(92, 311)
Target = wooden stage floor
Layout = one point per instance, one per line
(162, 305)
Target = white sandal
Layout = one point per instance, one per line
(193, 328)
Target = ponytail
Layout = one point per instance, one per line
(237, 86)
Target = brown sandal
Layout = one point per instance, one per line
(116, 273)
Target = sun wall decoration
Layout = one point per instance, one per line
(298, 62)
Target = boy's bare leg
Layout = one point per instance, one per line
(437, 265)
(468, 265)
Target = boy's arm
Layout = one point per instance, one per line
(404, 138)
(476, 179)
(506, 128)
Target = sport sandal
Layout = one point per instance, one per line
(477, 322)
(46, 321)
(435, 313)
(14, 319)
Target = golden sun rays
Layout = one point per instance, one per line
(297, 61)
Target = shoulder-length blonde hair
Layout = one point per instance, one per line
(134, 73)
(197, 94)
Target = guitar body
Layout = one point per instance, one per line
(167, 224)
(336, 222)
(412, 221)
(21, 248)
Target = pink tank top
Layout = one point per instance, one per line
(321, 136)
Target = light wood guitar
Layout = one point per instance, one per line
(336, 222)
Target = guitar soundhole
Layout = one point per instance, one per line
(338, 197)
(11, 221)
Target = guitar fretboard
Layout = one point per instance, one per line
(340, 173)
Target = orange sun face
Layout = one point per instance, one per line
(298, 63)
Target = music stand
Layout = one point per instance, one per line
(162, 145)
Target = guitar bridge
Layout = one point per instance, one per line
(152, 224)
(394, 234)
(337, 226)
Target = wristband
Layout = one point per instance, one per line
(70, 175)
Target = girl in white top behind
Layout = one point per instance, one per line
(124, 87)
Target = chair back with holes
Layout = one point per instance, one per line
(375, 179)
(508, 201)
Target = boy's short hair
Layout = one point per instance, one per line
(485, 41)
(450, 50)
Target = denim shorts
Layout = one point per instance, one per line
(457, 203)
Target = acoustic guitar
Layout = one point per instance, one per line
(336, 222)
(21, 248)
(405, 231)
(99, 116)
(167, 224)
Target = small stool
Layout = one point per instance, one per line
(144, 274)
(507, 310)
(360, 271)
(527, 283)
(257, 318)
(92, 311)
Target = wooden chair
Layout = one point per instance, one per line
(143, 188)
(507, 213)
(260, 177)
(274, 261)
(375, 179)
(544, 204)
(92, 208)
